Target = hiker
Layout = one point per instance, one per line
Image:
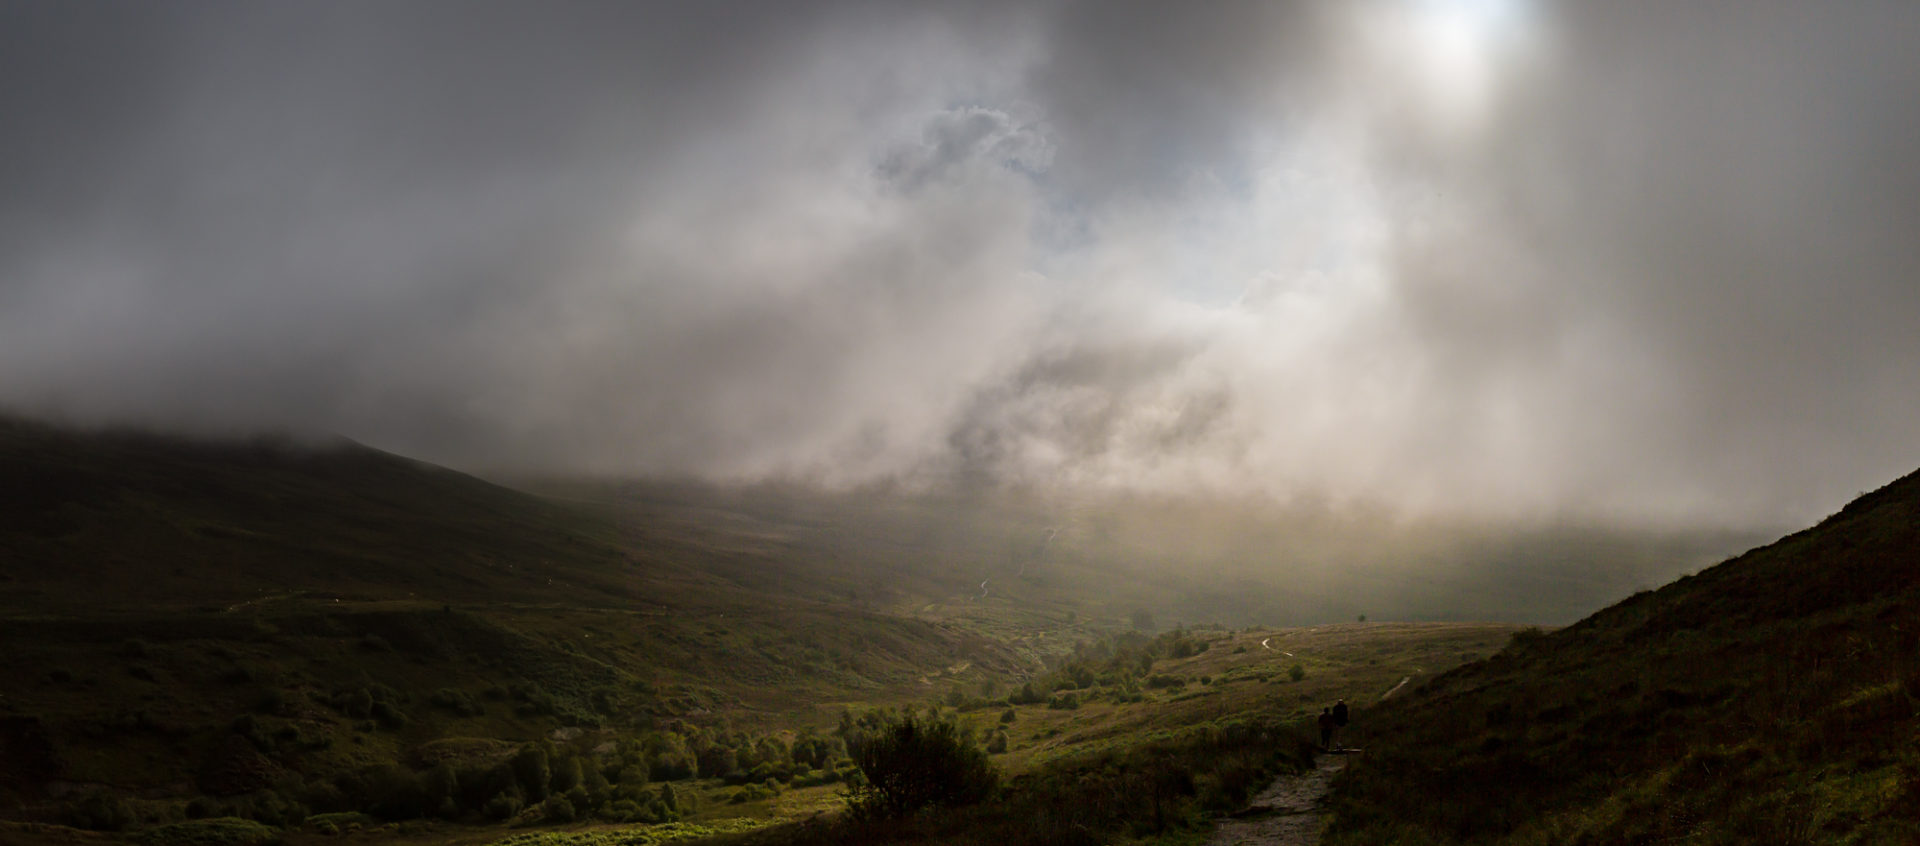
(1326, 729)
(1340, 722)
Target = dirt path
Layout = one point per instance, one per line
(1396, 688)
(1286, 813)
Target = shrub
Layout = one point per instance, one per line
(340, 822)
(357, 704)
(458, 701)
(100, 810)
(676, 803)
(219, 831)
(1006, 716)
(530, 767)
(718, 761)
(1296, 672)
(250, 728)
(394, 793)
(998, 744)
(557, 809)
(389, 716)
(441, 787)
(565, 773)
(1026, 695)
(915, 763)
(761, 773)
(673, 765)
(269, 807)
(1526, 638)
(504, 805)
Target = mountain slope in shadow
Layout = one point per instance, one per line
(129, 518)
(167, 601)
(1769, 699)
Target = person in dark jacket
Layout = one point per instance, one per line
(1326, 728)
(1339, 721)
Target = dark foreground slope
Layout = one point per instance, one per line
(1769, 699)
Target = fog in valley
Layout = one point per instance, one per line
(1421, 308)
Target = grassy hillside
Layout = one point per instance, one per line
(236, 642)
(289, 633)
(1148, 740)
(1774, 698)
(186, 618)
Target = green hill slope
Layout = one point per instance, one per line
(170, 607)
(1769, 699)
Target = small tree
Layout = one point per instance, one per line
(564, 773)
(918, 762)
(531, 769)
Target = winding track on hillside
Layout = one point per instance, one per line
(1396, 688)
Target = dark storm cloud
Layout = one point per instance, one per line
(1627, 259)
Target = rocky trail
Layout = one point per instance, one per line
(1286, 813)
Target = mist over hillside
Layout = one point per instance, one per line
(1508, 258)
(133, 518)
(1192, 559)
(482, 414)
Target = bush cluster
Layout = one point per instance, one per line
(630, 781)
(1116, 670)
(915, 762)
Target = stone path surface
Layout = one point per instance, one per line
(1286, 813)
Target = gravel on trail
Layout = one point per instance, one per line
(1287, 813)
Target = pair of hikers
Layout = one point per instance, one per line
(1331, 721)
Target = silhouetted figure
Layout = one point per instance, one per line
(1326, 729)
(1339, 721)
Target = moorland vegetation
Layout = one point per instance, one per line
(1773, 698)
(268, 641)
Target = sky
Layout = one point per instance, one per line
(1634, 261)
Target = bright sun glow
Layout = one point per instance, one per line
(1454, 52)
